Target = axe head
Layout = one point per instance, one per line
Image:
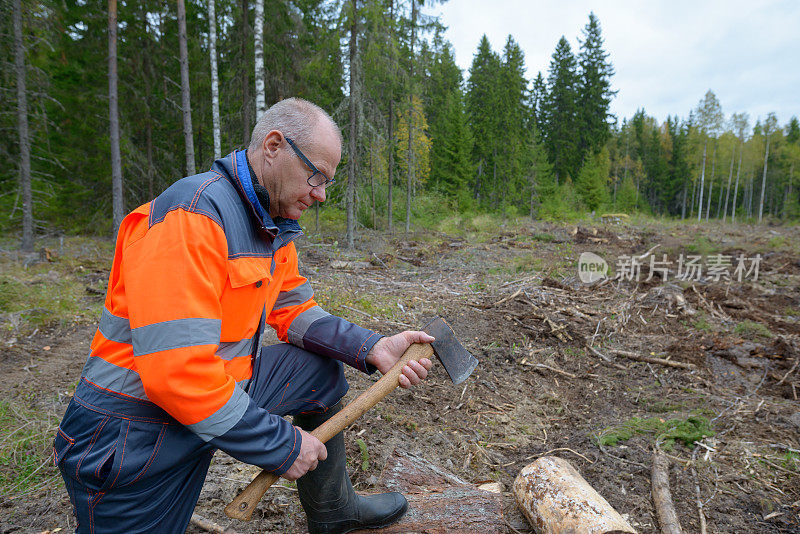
(457, 361)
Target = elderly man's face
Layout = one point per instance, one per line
(291, 195)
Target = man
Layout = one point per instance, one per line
(176, 368)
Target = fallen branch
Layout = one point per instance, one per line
(698, 500)
(209, 526)
(557, 371)
(662, 498)
(790, 371)
(606, 358)
(650, 359)
(506, 299)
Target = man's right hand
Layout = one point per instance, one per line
(312, 451)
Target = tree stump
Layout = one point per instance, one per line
(439, 502)
(556, 499)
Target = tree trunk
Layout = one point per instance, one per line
(702, 183)
(372, 183)
(113, 115)
(185, 100)
(711, 180)
(736, 189)
(683, 201)
(410, 177)
(212, 52)
(728, 189)
(389, 215)
(352, 155)
(555, 499)
(150, 167)
(763, 181)
(246, 128)
(258, 46)
(22, 129)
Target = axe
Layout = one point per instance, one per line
(457, 361)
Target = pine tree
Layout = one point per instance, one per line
(595, 92)
(560, 110)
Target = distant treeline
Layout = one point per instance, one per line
(420, 135)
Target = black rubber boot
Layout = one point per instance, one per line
(327, 496)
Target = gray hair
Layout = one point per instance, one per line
(296, 118)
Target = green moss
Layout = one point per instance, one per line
(702, 246)
(544, 237)
(362, 446)
(667, 432)
(753, 330)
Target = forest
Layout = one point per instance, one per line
(106, 105)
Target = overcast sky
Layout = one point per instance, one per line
(666, 54)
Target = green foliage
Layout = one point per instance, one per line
(590, 183)
(26, 439)
(498, 143)
(665, 432)
(562, 205)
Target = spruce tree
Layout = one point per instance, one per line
(595, 92)
(560, 111)
(482, 103)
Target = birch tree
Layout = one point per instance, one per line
(185, 100)
(258, 46)
(22, 128)
(740, 124)
(113, 114)
(352, 151)
(212, 52)
(709, 121)
(410, 173)
(769, 128)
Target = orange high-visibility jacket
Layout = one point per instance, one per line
(196, 274)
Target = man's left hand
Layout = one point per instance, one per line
(388, 350)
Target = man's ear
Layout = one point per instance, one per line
(272, 143)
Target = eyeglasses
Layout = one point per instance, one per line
(317, 178)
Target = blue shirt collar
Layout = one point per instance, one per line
(277, 226)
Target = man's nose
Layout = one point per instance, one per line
(318, 193)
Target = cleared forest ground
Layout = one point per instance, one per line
(556, 373)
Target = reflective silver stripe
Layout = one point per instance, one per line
(175, 334)
(110, 376)
(295, 296)
(229, 350)
(223, 419)
(115, 328)
(302, 322)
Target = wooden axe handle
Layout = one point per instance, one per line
(244, 504)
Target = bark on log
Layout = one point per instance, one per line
(556, 499)
(662, 498)
(439, 502)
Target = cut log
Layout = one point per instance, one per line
(439, 502)
(662, 498)
(556, 499)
